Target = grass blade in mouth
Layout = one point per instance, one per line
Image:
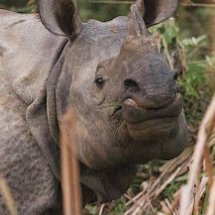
(116, 105)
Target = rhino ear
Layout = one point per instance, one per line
(60, 16)
(156, 11)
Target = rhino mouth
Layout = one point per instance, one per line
(133, 110)
(145, 123)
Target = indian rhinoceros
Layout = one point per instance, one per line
(123, 92)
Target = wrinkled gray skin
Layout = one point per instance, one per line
(123, 93)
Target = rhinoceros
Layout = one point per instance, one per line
(127, 104)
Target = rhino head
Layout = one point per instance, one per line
(124, 94)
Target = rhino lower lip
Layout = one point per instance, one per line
(158, 125)
(135, 113)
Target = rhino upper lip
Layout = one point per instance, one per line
(171, 110)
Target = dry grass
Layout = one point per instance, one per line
(69, 166)
(144, 201)
(201, 159)
(7, 196)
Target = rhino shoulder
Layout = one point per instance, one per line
(27, 53)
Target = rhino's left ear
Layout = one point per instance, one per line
(156, 11)
(60, 17)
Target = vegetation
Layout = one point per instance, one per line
(186, 44)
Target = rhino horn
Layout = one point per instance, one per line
(156, 11)
(136, 26)
(141, 6)
(60, 17)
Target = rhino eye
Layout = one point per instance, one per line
(99, 82)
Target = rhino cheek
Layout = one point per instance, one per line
(92, 148)
(84, 152)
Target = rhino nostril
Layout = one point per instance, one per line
(132, 84)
